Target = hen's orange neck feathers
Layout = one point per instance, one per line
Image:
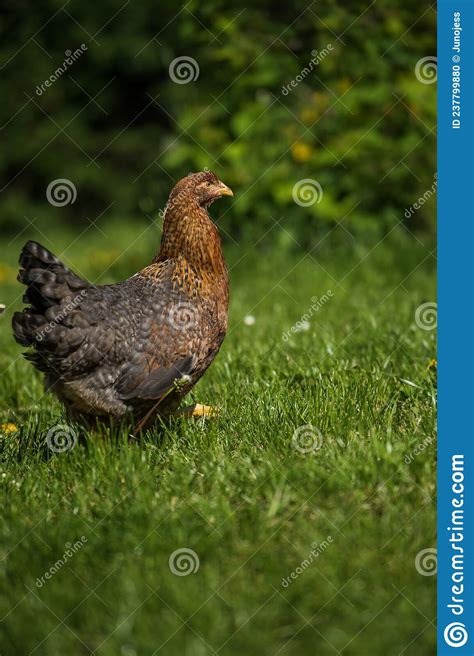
(189, 232)
(190, 235)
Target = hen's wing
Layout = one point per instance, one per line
(143, 382)
(166, 348)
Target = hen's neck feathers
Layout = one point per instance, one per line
(190, 234)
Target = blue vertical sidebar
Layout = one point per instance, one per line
(455, 327)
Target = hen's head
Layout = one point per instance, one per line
(188, 230)
(202, 188)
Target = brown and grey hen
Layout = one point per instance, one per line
(136, 348)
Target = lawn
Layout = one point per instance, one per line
(300, 543)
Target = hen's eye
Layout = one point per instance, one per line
(208, 184)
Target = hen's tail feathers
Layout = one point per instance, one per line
(50, 289)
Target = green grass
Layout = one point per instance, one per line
(235, 490)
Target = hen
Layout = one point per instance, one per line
(135, 348)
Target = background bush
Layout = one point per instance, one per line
(122, 131)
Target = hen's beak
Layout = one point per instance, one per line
(224, 190)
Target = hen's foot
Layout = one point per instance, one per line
(197, 410)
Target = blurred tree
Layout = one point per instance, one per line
(268, 95)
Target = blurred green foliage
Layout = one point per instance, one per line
(117, 125)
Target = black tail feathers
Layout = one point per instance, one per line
(48, 283)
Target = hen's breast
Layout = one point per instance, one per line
(185, 318)
(177, 337)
